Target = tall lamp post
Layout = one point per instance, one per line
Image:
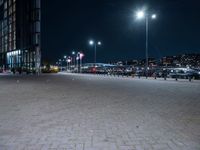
(77, 59)
(69, 60)
(145, 15)
(74, 58)
(81, 55)
(65, 60)
(60, 62)
(91, 42)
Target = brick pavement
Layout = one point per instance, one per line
(84, 112)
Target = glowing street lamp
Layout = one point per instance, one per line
(99, 43)
(74, 58)
(73, 52)
(154, 16)
(141, 14)
(81, 55)
(91, 42)
(60, 62)
(69, 60)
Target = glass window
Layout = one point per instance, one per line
(37, 26)
(14, 17)
(5, 14)
(10, 20)
(5, 5)
(37, 3)
(14, 7)
(37, 39)
(10, 10)
(9, 2)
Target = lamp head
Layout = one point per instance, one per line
(154, 16)
(140, 14)
(99, 43)
(91, 42)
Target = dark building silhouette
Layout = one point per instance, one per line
(20, 44)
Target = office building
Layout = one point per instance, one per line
(20, 40)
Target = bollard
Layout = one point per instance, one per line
(165, 78)
(155, 78)
(190, 79)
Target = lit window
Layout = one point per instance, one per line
(5, 5)
(37, 4)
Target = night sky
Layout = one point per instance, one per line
(69, 24)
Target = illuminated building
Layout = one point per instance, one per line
(20, 44)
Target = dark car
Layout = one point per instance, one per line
(184, 74)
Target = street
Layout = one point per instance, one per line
(91, 112)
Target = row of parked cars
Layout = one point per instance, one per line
(183, 73)
(109, 70)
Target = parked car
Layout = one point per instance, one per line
(178, 73)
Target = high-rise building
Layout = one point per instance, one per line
(20, 44)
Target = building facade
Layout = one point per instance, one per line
(20, 39)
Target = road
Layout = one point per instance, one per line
(88, 112)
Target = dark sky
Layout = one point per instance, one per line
(69, 24)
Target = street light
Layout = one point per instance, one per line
(154, 16)
(79, 57)
(73, 52)
(141, 14)
(69, 62)
(60, 62)
(99, 43)
(91, 42)
(65, 60)
(74, 59)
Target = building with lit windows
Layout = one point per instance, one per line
(20, 44)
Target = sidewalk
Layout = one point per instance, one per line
(135, 78)
(5, 73)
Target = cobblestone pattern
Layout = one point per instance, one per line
(83, 112)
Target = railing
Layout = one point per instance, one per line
(164, 76)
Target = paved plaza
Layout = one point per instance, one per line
(91, 112)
